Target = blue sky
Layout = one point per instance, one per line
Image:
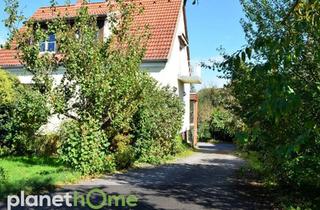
(211, 24)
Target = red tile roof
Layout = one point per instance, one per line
(160, 15)
(8, 58)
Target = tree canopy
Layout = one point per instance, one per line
(105, 96)
(275, 80)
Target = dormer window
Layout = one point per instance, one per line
(49, 45)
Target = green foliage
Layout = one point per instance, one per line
(106, 77)
(124, 152)
(179, 145)
(34, 175)
(221, 124)
(118, 112)
(276, 82)
(216, 117)
(204, 133)
(7, 92)
(7, 99)
(14, 18)
(46, 144)
(22, 112)
(157, 122)
(3, 176)
(85, 147)
(102, 81)
(254, 168)
(101, 87)
(30, 112)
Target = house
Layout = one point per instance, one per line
(167, 55)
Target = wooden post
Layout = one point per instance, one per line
(194, 100)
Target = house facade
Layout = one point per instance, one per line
(167, 55)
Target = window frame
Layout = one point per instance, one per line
(46, 44)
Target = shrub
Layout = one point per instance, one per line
(124, 152)
(29, 114)
(157, 122)
(7, 99)
(85, 147)
(179, 145)
(221, 124)
(217, 119)
(204, 133)
(7, 91)
(46, 145)
(22, 112)
(3, 176)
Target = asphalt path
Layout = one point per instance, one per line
(205, 180)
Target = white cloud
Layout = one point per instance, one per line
(210, 78)
(216, 58)
(215, 82)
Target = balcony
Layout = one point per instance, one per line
(194, 76)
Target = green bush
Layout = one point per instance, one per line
(7, 99)
(3, 176)
(46, 144)
(217, 119)
(85, 147)
(221, 124)
(29, 114)
(154, 126)
(22, 112)
(7, 91)
(179, 145)
(204, 133)
(124, 152)
(157, 122)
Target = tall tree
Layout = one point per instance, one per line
(95, 79)
(276, 80)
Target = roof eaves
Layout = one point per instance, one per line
(160, 60)
(11, 66)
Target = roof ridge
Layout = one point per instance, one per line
(73, 5)
(90, 3)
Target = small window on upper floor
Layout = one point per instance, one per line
(49, 45)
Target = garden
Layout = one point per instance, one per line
(117, 115)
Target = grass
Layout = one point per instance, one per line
(183, 154)
(185, 151)
(33, 174)
(253, 161)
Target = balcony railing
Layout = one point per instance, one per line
(193, 77)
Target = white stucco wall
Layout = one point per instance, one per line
(27, 79)
(177, 64)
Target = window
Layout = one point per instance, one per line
(49, 45)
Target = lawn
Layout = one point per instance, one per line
(33, 174)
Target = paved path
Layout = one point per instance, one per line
(205, 180)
